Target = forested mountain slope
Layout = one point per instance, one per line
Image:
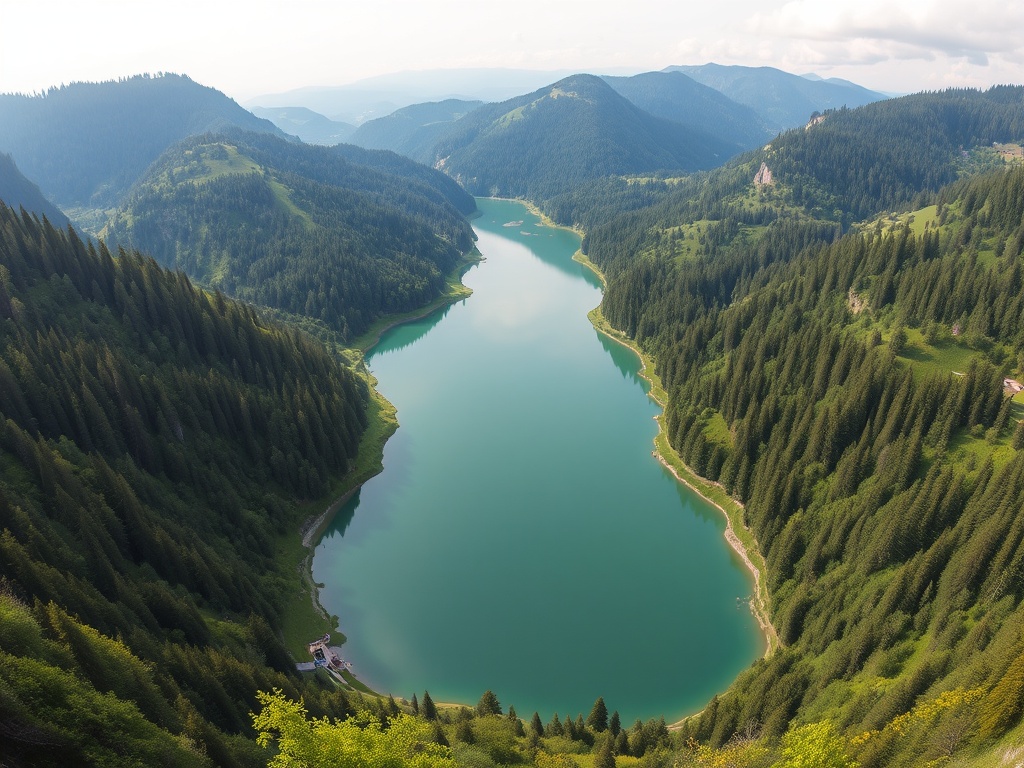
(845, 167)
(18, 192)
(782, 100)
(412, 130)
(555, 139)
(310, 126)
(153, 440)
(299, 228)
(85, 144)
(677, 97)
(850, 391)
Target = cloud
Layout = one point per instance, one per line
(861, 31)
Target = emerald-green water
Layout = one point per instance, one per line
(522, 537)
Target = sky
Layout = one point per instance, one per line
(259, 47)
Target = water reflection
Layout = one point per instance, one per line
(625, 360)
(412, 331)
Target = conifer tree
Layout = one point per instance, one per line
(429, 710)
(488, 704)
(536, 725)
(605, 757)
(597, 720)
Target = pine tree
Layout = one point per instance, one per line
(605, 757)
(415, 705)
(536, 725)
(429, 710)
(464, 732)
(517, 724)
(597, 720)
(615, 724)
(488, 704)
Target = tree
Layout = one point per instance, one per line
(615, 724)
(415, 705)
(302, 742)
(488, 704)
(464, 732)
(429, 710)
(517, 724)
(898, 340)
(816, 745)
(597, 720)
(605, 757)
(536, 725)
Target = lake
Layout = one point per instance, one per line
(522, 537)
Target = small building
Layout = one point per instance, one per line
(325, 656)
(1012, 386)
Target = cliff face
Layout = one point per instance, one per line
(763, 178)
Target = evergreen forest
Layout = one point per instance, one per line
(337, 236)
(155, 440)
(834, 323)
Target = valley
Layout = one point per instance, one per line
(831, 324)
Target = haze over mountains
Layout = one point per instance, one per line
(84, 144)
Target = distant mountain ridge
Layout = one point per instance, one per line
(562, 135)
(310, 126)
(18, 192)
(85, 144)
(781, 99)
(412, 130)
(678, 97)
(379, 96)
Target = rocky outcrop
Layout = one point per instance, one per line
(764, 178)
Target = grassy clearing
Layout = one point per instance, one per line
(943, 357)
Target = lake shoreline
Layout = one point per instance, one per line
(746, 550)
(382, 424)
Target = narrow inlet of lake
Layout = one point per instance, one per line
(522, 537)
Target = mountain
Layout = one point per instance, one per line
(781, 99)
(155, 439)
(675, 96)
(412, 130)
(860, 161)
(379, 96)
(310, 126)
(845, 385)
(85, 144)
(563, 135)
(299, 228)
(18, 192)
(398, 165)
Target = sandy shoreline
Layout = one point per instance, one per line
(758, 602)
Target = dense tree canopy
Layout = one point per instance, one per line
(153, 437)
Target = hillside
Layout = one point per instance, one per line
(18, 192)
(310, 126)
(412, 130)
(848, 390)
(677, 97)
(298, 228)
(85, 144)
(154, 441)
(563, 135)
(781, 100)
